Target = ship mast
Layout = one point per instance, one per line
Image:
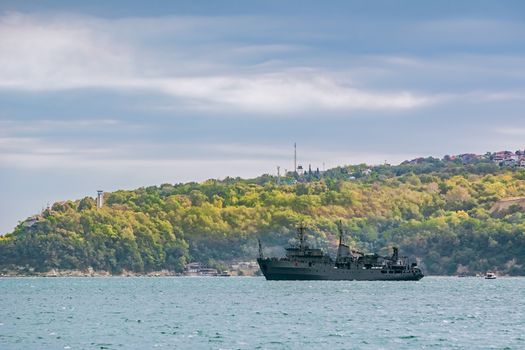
(261, 256)
(343, 251)
(340, 227)
(301, 237)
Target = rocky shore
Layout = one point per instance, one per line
(89, 272)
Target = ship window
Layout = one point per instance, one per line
(390, 271)
(310, 264)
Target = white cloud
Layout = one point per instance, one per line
(80, 52)
(38, 54)
(284, 92)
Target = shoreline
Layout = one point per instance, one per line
(23, 272)
(19, 271)
(87, 273)
(162, 273)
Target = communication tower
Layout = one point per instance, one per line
(295, 158)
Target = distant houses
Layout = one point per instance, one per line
(241, 268)
(509, 159)
(502, 158)
(506, 159)
(198, 269)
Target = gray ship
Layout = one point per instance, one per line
(305, 263)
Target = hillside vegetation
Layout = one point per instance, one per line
(437, 211)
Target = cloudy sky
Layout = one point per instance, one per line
(110, 95)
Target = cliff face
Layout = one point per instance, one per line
(501, 206)
(440, 212)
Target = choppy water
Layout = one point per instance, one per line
(251, 313)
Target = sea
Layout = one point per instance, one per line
(252, 313)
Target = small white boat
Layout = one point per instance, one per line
(490, 276)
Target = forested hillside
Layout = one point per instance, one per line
(438, 211)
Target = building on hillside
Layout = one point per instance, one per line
(506, 158)
(498, 158)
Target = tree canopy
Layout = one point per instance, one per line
(437, 211)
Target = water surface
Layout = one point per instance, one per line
(252, 313)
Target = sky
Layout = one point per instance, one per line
(123, 94)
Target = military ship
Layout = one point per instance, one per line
(305, 263)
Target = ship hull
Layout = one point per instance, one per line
(294, 270)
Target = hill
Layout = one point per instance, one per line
(436, 210)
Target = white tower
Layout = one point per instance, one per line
(100, 198)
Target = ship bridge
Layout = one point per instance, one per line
(306, 252)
